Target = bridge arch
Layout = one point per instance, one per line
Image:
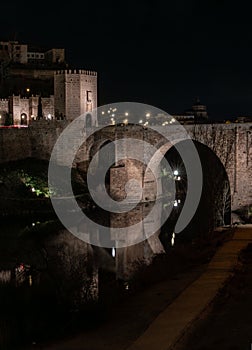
(215, 203)
(108, 157)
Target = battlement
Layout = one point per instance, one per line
(76, 71)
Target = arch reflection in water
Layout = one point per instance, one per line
(125, 261)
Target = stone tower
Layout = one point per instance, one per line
(75, 93)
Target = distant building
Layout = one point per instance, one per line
(25, 67)
(184, 118)
(198, 110)
(197, 113)
(244, 119)
(12, 51)
(35, 84)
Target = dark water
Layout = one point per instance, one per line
(51, 282)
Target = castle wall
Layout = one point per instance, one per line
(41, 74)
(33, 107)
(27, 108)
(55, 55)
(4, 109)
(19, 106)
(43, 135)
(15, 144)
(73, 96)
(59, 94)
(48, 107)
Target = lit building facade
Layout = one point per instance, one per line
(35, 84)
(75, 93)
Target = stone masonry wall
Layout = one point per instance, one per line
(232, 143)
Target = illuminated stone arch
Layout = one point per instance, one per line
(23, 119)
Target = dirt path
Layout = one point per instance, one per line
(126, 322)
(227, 323)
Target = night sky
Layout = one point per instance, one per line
(163, 53)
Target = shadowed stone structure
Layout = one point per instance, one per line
(231, 143)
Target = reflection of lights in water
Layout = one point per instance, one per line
(113, 252)
(176, 202)
(173, 239)
(30, 280)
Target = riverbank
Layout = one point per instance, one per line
(123, 322)
(227, 322)
(25, 191)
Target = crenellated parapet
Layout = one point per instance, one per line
(76, 71)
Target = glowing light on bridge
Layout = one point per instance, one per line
(173, 239)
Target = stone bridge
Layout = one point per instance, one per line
(225, 152)
(230, 145)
